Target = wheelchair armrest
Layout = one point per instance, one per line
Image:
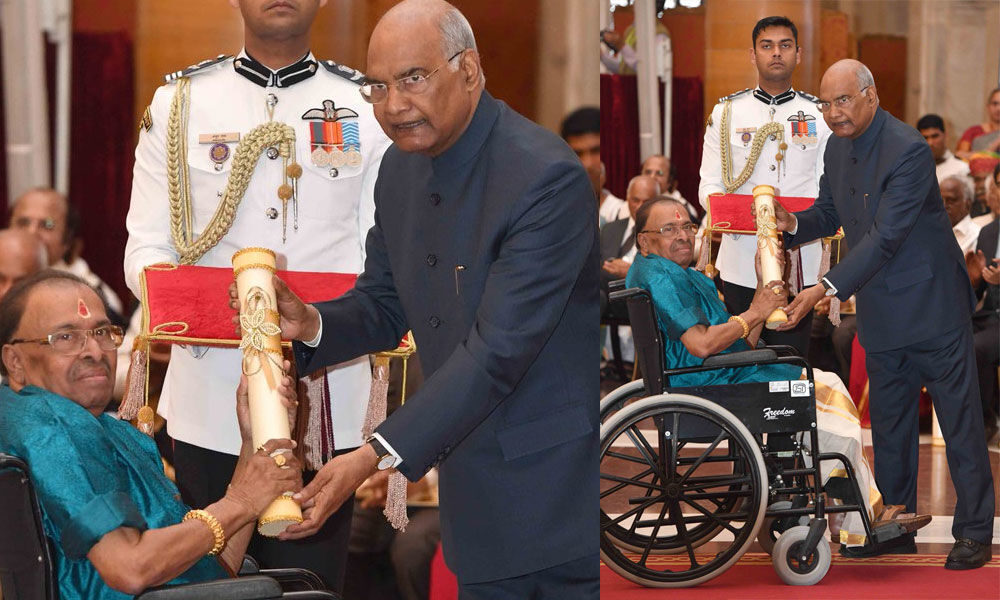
(295, 580)
(781, 349)
(256, 587)
(312, 595)
(249, 566)
(624, 294)
(616, 285)
(739, 359)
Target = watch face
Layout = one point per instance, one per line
(385, 462)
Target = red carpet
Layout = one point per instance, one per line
(904, 577)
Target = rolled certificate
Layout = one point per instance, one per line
(767, 243)
(262, 365)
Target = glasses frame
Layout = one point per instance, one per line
(414, 79)
(118, 335)
(688, 227)
(842, 102)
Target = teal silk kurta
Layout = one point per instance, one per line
(92, 475)
(683, 298)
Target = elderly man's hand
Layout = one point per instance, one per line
(299, 321)
(616, 267)
(263, 478)
(990, 274)
(333, 484)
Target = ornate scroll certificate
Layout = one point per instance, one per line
(767, 243)
(262, 361)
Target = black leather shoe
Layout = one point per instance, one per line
(903, 544)
(968, 554)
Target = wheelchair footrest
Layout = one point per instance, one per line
(889, 531)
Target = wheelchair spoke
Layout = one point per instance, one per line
(622, 485)
(652, 537)
(682, 533)
(627, 481)
(711, 516)
(704, 455)
(629, 513)
(627, 457)
(639, 440)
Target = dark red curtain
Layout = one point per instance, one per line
(620, 132)
(102, 146)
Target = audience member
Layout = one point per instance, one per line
(984, 272)
(984, 137)
(947, 164)
(981, 167)
(956, 192)
(113, 518)
(661, 169)
(582, 131)
(612, 207)
(992, 199)
(47, 214)
(21, 255)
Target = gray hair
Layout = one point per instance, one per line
(864, 76)
(457, 35)
(963, 183)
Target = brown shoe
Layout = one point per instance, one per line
(893, 513)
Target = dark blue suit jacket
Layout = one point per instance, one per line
(904, 265)
(489, 253)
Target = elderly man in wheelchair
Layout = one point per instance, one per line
(746, 444)
(115, 523)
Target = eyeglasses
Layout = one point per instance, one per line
(373, 93)
(842, 102)
(72, 341)
(47, 223)
(673, 230)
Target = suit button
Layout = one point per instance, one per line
(435, 199)
(854, 161)
(854, 221)
(431, 260)
(434, 322)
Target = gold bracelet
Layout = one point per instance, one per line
(743, 324)
(206, 517)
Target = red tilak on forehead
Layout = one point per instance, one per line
(677, 214)
(81, 309)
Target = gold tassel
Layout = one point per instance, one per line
(395, 501)
(311, 393)
(824, 268)
(793, 272)
(135, 381)
(377, 399)
(835, 311)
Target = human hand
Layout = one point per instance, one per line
(991, 274)
(823, 306)
(298, 320)
(374, 490)
(612, 38)
(333, 484)
(261, 479)
(286, 393)
(616, 267)
(784, 220)
(779, 256)
(801, 306)
(768, 298)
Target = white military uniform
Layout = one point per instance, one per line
(797, 174)
(230, 96)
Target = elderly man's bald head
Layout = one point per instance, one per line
(423, 53)
(21, 255)
(43, 212)
(848, 98)
(641, 189)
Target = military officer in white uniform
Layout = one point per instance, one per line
(208, 110)
(791, 161)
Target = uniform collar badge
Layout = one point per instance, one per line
(256, 72)
(803, 129)
(768, 99)
(335, 139)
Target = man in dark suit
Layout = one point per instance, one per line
(984, 272)
(485, 245)
(914, 301)
(618, 237)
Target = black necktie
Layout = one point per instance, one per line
(627, 245)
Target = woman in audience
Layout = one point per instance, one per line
(984, 137)
(696, 325)
(116, 523)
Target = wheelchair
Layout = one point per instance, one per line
(713, 468)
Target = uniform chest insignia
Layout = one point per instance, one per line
(335, 139)
(146, 122)
(746, 134)
(803, 128)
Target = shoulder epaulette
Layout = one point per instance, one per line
(734, 95)
(343, 71)
(807, 96)
(170, 77)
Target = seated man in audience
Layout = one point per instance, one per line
(21, 254)
(664, 172)
(957, 195)
(47, 214)
(946, 164)
(984, 272)
(115, 521)
(695, 325)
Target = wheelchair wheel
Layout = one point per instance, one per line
(614, 401)
(789, 564)
(772, 527)
(676, 470)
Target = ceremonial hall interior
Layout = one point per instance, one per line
(768, 356)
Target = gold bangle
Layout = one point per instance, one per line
(206, 517)
(743, 324)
